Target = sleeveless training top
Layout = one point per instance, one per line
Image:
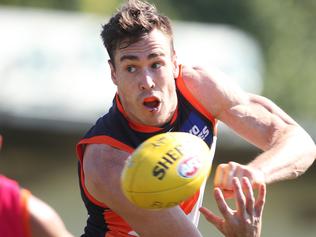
(116, 130)
(14, 218)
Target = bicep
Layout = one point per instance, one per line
(102, 168)
(253, 117)
(272, 108)
(257, 119)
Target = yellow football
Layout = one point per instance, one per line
(165, 170)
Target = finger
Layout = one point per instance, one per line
(212, 218)
(260, 200)
(224, 174)
(227, 188)
(230, 174)
(223, 178)
(240, 197)
(228, 194)
(222, 205)
(219, 175)
(249, 195)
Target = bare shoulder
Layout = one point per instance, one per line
(102, 166)
(222, 96)
(195, 73)
(198, 73)
(215, 90)
(98, 154)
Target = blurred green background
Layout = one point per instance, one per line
(285, 30)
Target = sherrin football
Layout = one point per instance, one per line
(165, 170)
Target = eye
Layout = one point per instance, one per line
(156, 65)
(131, 69)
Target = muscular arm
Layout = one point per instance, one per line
(288, 150)
(102, 168)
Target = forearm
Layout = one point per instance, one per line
(290, 156)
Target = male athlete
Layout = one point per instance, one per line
(156, 94)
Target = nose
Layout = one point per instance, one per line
(146, 81)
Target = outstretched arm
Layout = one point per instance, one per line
(292, 151)
(288, 150)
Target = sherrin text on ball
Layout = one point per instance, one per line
(165, 170)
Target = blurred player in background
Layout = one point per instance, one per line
(156, 94)
(24, 215)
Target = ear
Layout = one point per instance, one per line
(175, 64)
(113, 73)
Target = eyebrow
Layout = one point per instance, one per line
(132, 57)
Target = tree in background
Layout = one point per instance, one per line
(289, 44)
(101, 7)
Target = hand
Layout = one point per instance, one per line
(226, 172)
(246, 220)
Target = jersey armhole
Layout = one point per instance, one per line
(194, 102)
(80, 152)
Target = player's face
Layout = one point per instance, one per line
(145, 73)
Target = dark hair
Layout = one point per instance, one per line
(135, 19)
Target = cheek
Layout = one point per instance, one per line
(127, 91)
(169, 87)
(172, 88)
(166, 77)
(124, 83)
(123, 90)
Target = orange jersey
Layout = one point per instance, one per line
(116, 130)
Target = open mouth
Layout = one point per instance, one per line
(151, 103)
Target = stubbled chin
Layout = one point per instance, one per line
(157, 119)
